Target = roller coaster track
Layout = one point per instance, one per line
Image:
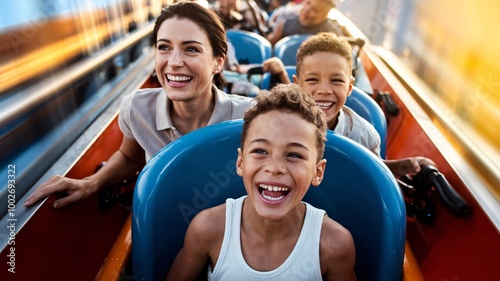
(77, 130)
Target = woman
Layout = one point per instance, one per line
(190, 50)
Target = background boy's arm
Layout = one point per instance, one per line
(201, 240)
(408, 166)
(277, 33)
(276, 67)
(337, 252)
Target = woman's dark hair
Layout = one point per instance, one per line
(206, 19)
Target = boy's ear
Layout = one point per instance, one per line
(351, 84)
(320, 172)
(295, 79)
(239, 163)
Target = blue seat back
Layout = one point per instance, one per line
(286, 48)
(198, 171)
(366, 107)
(249, 47)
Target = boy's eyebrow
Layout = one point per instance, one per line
(340, 73)
(298, 144)
(293, 144)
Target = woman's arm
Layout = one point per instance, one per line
(122, 164)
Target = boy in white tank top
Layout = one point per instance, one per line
(270, 234)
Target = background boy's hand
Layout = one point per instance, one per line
(408, 166)
(276, 67)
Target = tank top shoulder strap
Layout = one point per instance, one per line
(233, 218)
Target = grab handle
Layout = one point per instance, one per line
(390, 106)
(447, 194)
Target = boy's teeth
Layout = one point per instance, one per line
(273, 188)
(324, 104)
(272, 198)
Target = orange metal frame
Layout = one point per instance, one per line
(71, 243)
(452, 248)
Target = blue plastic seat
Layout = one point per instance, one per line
(366, 107)
(286, 48)
(198, 171)
(249, 47)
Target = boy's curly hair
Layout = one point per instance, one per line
(324, 42)
(293, 99)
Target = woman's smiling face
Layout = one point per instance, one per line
(184, 60)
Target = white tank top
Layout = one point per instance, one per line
(301, 264)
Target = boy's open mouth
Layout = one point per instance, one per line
(273, 193)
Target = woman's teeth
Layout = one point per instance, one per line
(176, 78)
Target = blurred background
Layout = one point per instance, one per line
(63, 61)
(452, 46)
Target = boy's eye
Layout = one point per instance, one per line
(258, 151)
(337, 81)
(311, 80)
(295, 155)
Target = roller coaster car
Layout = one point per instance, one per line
(91, 243)
(198, 172)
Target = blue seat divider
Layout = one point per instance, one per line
(366, 107)
(286, 48)
(197, 171)
(249, 47)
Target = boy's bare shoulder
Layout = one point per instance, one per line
(210, 221)
(337, 250)
(335, 236)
